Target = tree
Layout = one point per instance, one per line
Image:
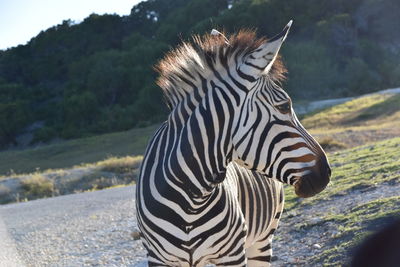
(13, 118)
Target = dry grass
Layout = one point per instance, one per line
(120, 164)
(114, 171)
(37, 186)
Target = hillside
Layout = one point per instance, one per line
(75, 152)
(356, 122)
(78, 80)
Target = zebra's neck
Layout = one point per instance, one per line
(201, 128)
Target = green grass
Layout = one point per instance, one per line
(76, 152)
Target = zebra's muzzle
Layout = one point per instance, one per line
(314, 182)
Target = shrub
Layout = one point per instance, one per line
(37, 186)
(127, 164)
(93, 181)
(44, 134)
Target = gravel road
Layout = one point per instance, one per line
(88, 229)
(8, 252)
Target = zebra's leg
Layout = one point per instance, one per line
(260, 253)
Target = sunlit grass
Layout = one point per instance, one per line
(353, 112)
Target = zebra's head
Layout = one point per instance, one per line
(268, 137)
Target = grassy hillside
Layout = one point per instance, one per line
(371, 112)
(362, 120)
(356, 122)
(70, 153)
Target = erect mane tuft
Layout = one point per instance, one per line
(189, 58)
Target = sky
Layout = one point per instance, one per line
(20, 20)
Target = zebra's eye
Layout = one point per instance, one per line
(284, 108)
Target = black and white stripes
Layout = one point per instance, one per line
(210, 186)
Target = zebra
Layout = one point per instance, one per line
(210, 185)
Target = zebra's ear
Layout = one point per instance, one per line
(261, 60)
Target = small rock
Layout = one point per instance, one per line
(317, 246)
(135, 235)
(274, 258)
(316, 220)
(334, 234)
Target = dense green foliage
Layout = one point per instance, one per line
(96, 76)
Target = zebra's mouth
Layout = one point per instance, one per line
(315, 181)
(304, 188)
(310, 185)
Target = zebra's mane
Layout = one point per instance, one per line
(192, 58)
